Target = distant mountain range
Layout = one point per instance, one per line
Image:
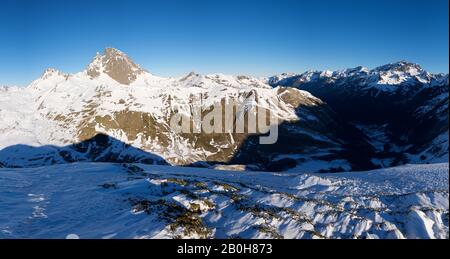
(402, 108)
(355, 119)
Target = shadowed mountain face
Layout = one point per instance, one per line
(100, 148)
(294, 147)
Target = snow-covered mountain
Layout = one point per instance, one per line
(399, 77)
(328, 130)
(402, 108)
(116, 97)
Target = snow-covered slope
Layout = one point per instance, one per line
(103, 200)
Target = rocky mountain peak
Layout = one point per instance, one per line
(190, 75)
(401, 66)
(49, 72)
(359, 70)
(116, 65)
(112, 52)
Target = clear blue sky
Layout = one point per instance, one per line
(255, 37)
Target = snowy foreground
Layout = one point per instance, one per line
(103, 200)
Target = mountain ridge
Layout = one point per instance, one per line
(110, 54)
(128, 103)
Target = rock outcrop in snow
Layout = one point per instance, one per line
(103, 200)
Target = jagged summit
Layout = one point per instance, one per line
(113, 52)
(356, 70)
(400, 66)
(116, 65)
(191, 75)
(49, 72)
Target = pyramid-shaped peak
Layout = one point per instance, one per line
(110, 50)
(116, 64)
(112, 53)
